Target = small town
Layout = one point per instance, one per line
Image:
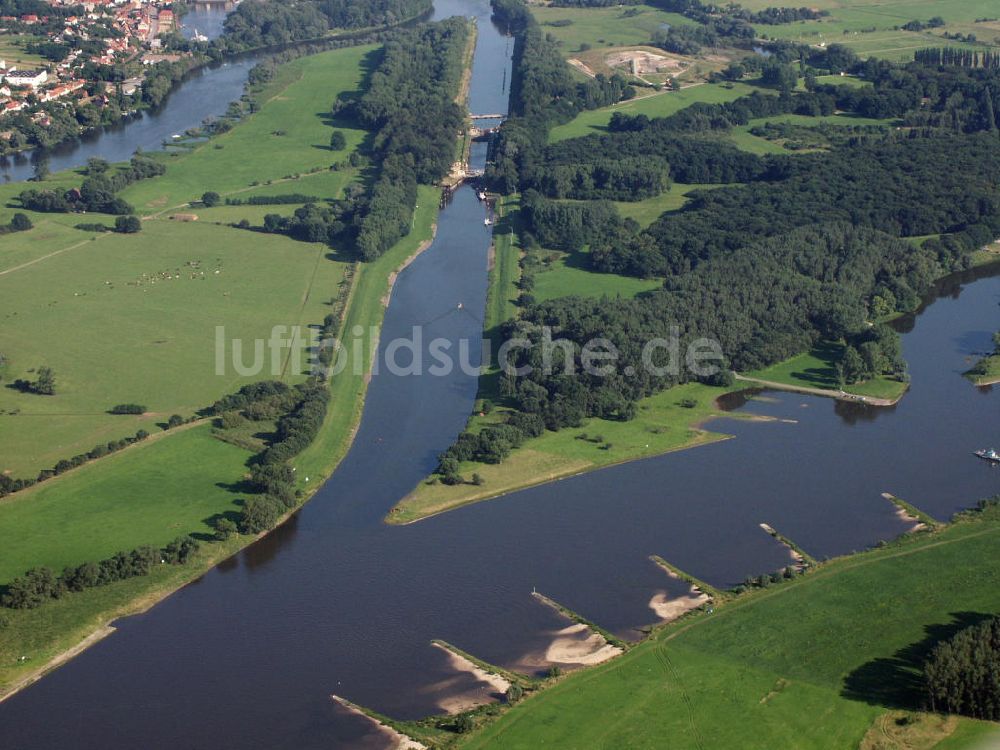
(74, 66)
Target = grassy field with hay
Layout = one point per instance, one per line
(653, 105)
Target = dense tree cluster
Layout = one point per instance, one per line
(265, 23)
(962, 675)
(410, 104)
(898, 187)
(40, 585)
(97, 193)
(274, 200)
(298, 412)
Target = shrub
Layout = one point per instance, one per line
(128, 409)
(127, 224)
(20, 223)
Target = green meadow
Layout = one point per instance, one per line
(654, 105)
(672, 199)
(605, 27)
(505, 271)
(146, 306)
(292, 128)
(872, 29)
(566, 274)
(150, 493)
(668, 421)
(817, 663)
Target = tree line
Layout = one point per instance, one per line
(98, 191)
(298, 412)
(40, 585)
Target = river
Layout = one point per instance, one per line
(337, 602)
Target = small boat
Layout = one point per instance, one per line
(988, 454)
(487, 222)
(481, 195)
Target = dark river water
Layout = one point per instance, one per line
(337, 602)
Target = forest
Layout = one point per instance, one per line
(264, 23)
(962, 675)
(800, 249)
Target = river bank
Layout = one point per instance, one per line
(667, 422)
(707, 653)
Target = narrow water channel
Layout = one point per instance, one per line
(337, 602)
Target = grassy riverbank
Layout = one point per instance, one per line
(817, 369)
(667, 421)
(986, 371)
(817, 662)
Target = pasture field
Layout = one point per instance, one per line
(150, 493)
(654, 105)
(292, 128)
(13, 53)
(566, 274)
(871, 29)
(649, 210)
(146, 306)
(667, 421)
(811, 663)
(817, 369)
(604, 27)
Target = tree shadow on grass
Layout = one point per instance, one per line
(897, 681)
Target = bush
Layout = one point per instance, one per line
(337, 141)
(20, 223)
(225, 528)
(128, 409)
(127, 224)
(176, 420)
(260, 513)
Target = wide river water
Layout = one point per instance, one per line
(337, 602)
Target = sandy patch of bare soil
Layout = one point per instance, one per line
(457, 694)
(668, 609)
(639, 62)
(382, 737)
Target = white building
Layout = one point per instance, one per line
(31, 78)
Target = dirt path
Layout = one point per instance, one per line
(824, 392)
